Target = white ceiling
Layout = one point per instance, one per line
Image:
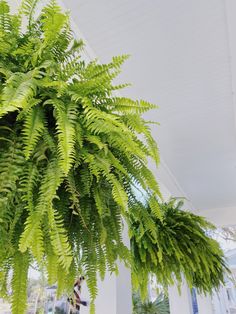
(183, 58)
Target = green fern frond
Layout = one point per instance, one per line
(47, 193)
(33, 128)
(29, 181)
(118, 193)
(59, 239)
(28, 8)
(32, 226)
(53, 21)
(66, 119)
(121, 104)
(19, 89)
(99, 201)
(5, 19)
(11, 166)
(155, 208)
(38, 246)
(19, 283)
(51, 265)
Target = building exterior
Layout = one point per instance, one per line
(224, 300)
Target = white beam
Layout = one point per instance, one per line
(166, 179)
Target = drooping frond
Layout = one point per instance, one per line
(28, 8)
(59, 238)
(51, 265)
(47, 193)
(5, 18)
(53, 21)
(19, 90)
(19, 283)
(66, 118)
(33, 128)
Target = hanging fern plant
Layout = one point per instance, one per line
(70, 154)
(179, 245)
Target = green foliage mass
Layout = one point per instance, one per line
(70, 154)
(179, 245)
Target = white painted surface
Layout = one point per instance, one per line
(123, 291)
(221, 217)
(106, 300)
(230, 8)
(220, 304)
(123, 283)
(180, 304)
(204, 304)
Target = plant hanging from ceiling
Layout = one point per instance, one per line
(179, 245)
(70, 155)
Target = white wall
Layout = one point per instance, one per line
(180, 303)
(220, 305)
(123, 292)
(123, 283)
(204, 304)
